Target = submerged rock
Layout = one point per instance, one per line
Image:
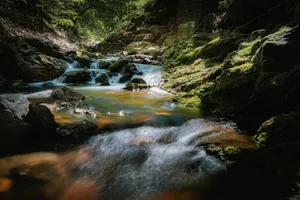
(42, 120)
(66, 94)
(78, 129)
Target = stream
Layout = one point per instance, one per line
(147, 146)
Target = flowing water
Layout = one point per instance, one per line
(147, 146)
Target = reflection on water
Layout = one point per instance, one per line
(119, 108)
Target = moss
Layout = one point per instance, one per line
(220, 47)
(226, 154)
(189, 101)
(245, 68)
(261, 139)
(245, 52)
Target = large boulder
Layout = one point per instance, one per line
(13, 133)
(42, 120)
(30, 59)
(42, 68)
(66, 94)
(17, 104)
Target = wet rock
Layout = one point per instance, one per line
(78, 77)
(125, 78)
(81, 111)
(135, 84)
(78, 129)
(103, 78)
(105, 64)
(41, 118)
(13, 132)
(17, 104)
(66, 94)
(131, 69)
(42, 68)
(84, 61)
(118, 66)
(105, 84)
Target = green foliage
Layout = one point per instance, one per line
(223, 5)
(93, 19)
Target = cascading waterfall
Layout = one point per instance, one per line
(151, 74)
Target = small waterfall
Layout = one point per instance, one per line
(74, 65)
(95, 74)
(95, 64)
(151, 74)
(115, 79)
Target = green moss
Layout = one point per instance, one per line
(245, 68)
(278, 33)
(261, 139)
(245, 52)
(192, 101)
(226, 154)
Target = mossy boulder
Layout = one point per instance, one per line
(220, 47)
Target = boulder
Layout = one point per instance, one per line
(119, 65)
(105, 64)
(103, 78)
(125, 78)
(30, 60)
(84, 61)
(13, 132)
(17, 104)
(78, 77)
(41, 119)
(43, 68)
(279, 129)
(79, 129)
(135, 84)
(66, 94)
